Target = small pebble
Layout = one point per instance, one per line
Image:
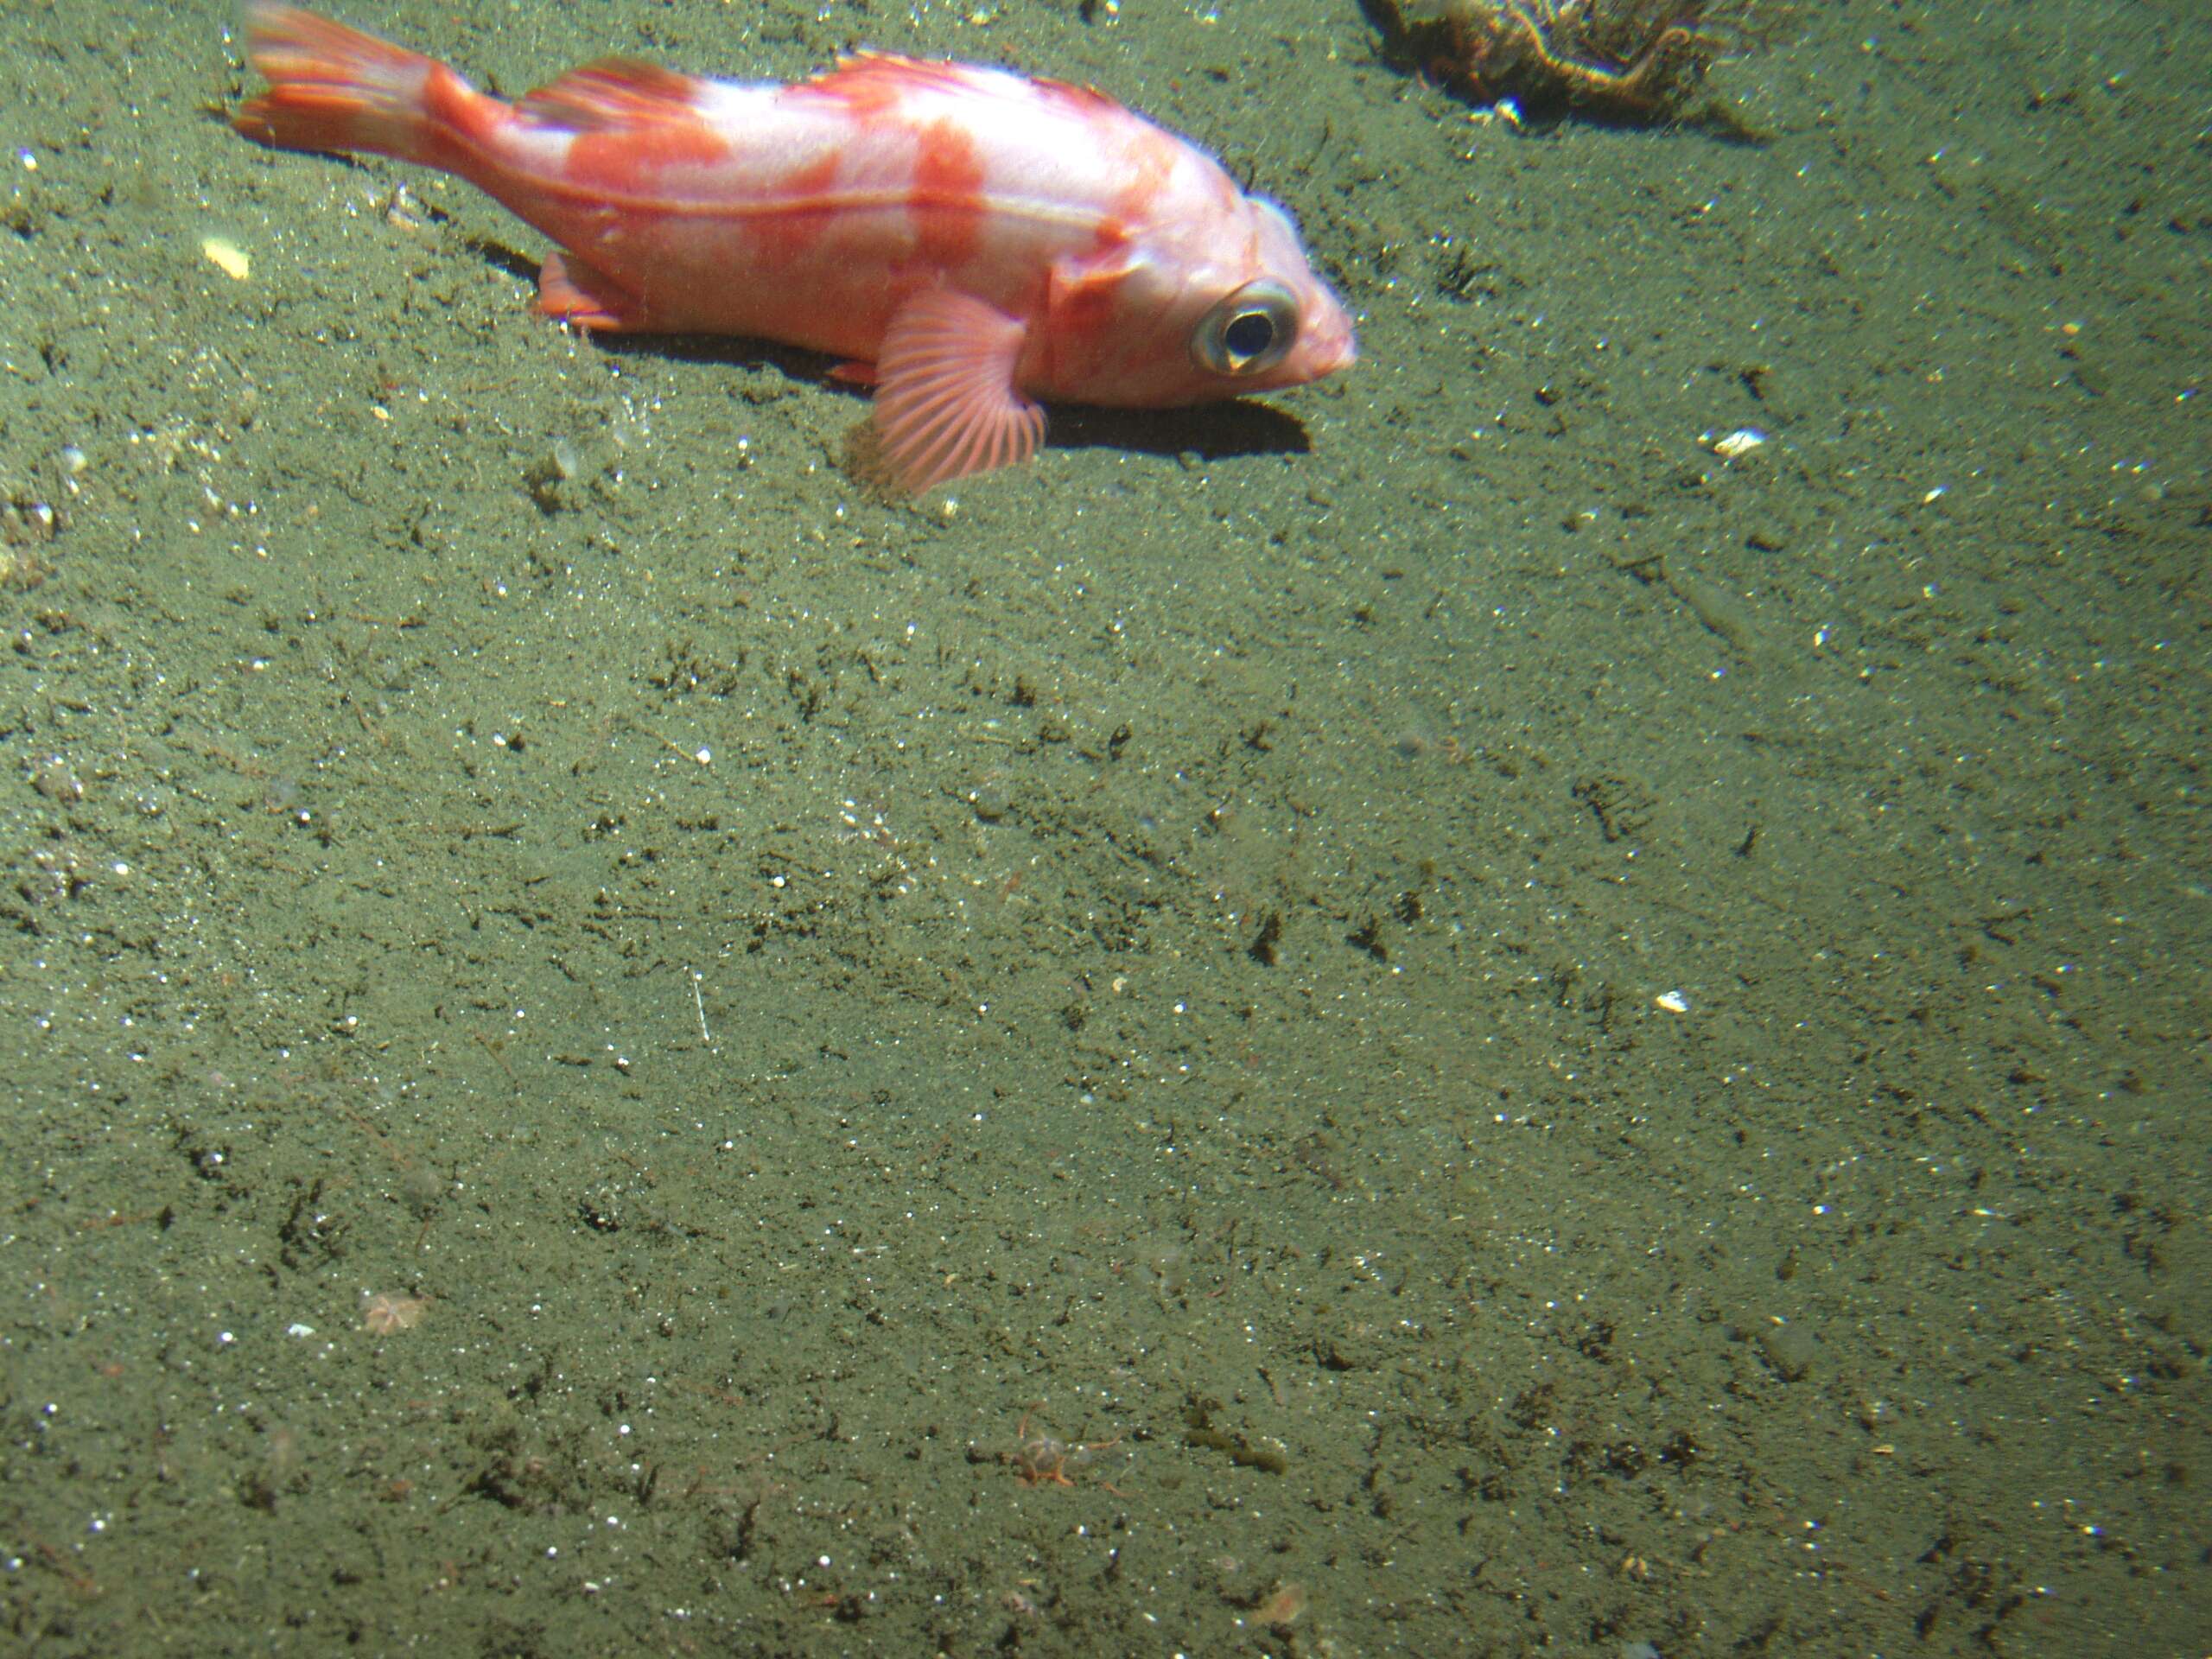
(1789, 1348)
(57, 783)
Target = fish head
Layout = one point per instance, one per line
(1214, 307)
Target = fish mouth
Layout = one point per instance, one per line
(1332, 347)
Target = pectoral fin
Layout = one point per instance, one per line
(945, 402)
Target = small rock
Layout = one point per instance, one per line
(1789, 1349)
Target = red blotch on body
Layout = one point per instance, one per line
(795, 215)
(948, 196)
(1148, 166)
(632, 120)
(456, 118)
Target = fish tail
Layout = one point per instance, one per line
(334, 88)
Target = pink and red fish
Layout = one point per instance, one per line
(968, 240)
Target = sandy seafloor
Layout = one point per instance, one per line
(1496, 1033)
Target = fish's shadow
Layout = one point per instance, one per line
(1210, 432)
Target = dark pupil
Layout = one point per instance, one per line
(1248, 333)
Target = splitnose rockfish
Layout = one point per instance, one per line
(970, 241)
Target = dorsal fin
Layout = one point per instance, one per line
(869, 82)
(613, 95)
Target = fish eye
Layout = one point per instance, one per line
(1252, 329)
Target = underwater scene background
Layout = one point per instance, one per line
(1551, 995)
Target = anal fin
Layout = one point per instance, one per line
(572, 292)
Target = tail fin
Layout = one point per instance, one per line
(332, 87)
